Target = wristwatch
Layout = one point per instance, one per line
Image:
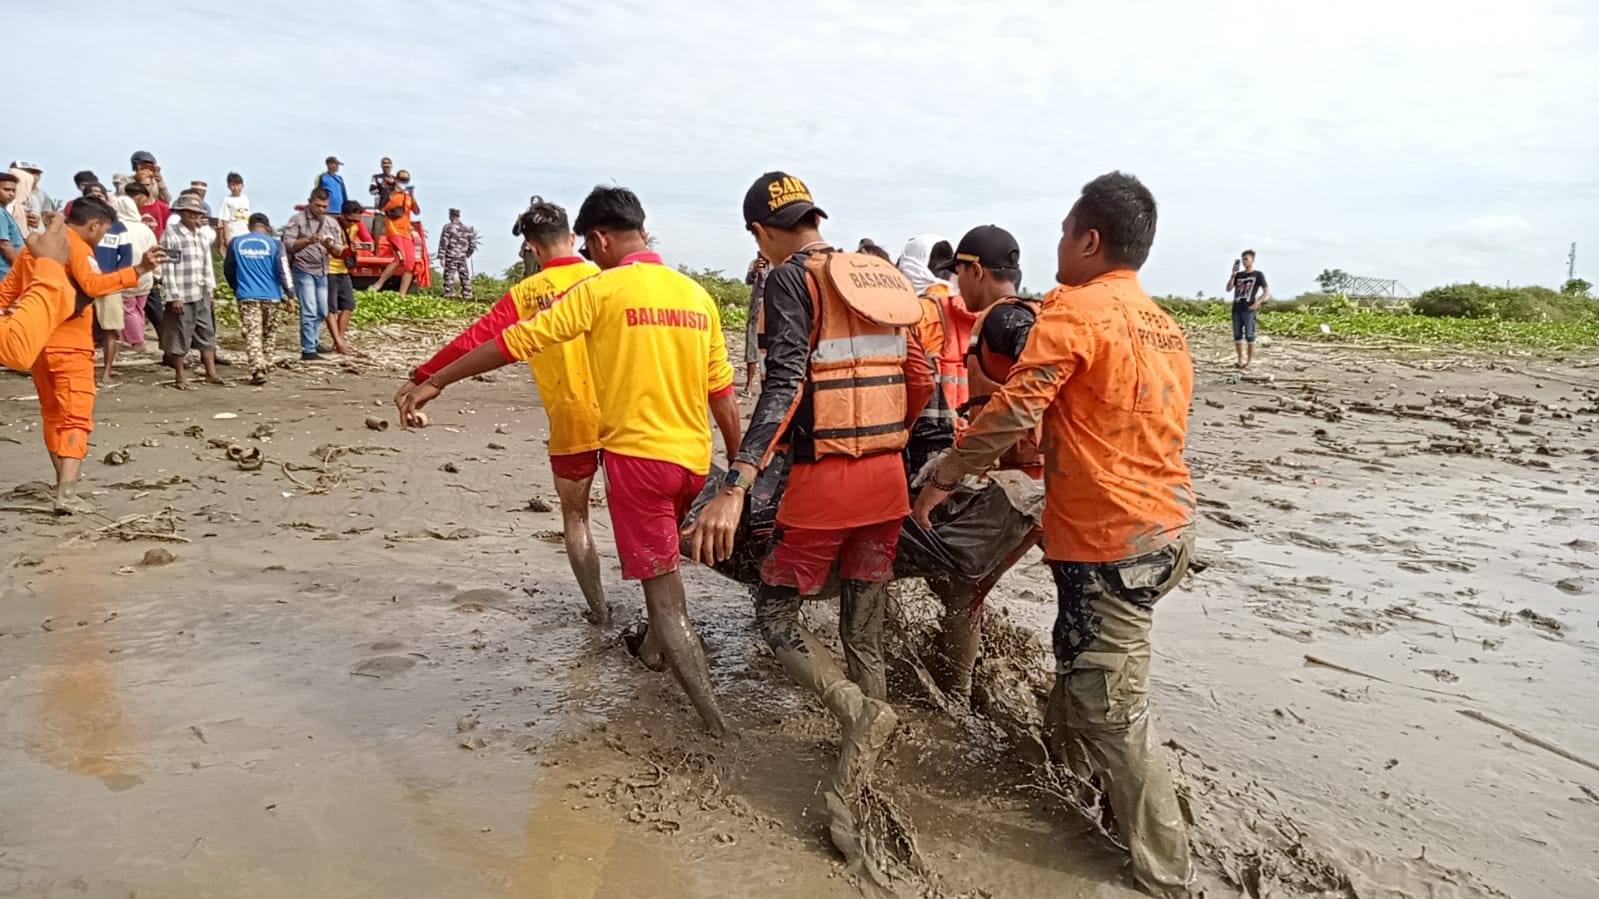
(736, 478)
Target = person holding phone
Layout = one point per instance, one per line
(311, 237)
(1249, 290)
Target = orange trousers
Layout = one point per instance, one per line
(65, 380)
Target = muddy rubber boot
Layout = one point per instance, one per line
(959, 640)
(860, 625)
(867, 724)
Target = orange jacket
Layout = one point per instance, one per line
(28, 326)
(77, 332)
(1108, 374)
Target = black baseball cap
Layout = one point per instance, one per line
(987, 245)
(778, 199)
(260, 218)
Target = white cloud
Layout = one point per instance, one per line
(1490, 234)
(1343, 130)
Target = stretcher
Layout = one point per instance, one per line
(985, 528)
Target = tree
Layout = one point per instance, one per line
(1332, 280)
(1576, 287)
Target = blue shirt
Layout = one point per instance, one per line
(334, 185)
(257, 267)
(9, 232)
(115, 249)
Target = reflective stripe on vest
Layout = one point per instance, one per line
(856, 386)
(949, 365)
(836, 350)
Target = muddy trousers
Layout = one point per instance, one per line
(65, 380)
(258, 321)
(455, 273)
(860, 627)
(1098, 715)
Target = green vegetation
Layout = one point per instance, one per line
(1517, 304)
(1461, 316)
(732, 295)
(428, 304)
(1332, 280)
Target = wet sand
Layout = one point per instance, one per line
(367, 676)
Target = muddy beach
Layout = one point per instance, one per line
(363, 671)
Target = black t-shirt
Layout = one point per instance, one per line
(1248, 285)
(1006, 327)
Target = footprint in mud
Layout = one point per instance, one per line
(1311, 541)
(1575, 586)
(384, 666)
(386, 645)
(1583, 546)
(480, 599)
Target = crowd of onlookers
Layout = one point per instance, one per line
(207, 242)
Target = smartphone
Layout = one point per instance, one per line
(174, 255)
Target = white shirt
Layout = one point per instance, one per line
(233, 216)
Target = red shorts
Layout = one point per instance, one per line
(803, 557)
(404, 249)
(648, 499)
(576, 466)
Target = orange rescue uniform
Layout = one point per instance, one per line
(1108, 374)
(64, 369)
(45, 299)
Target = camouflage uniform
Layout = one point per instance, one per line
(457, 243)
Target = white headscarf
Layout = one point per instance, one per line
(127, 210)
(913, 262)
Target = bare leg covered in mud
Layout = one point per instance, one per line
(671, 642)
(580, 550)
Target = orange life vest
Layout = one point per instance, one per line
(856, 386)
(988, 371)
(949, 362)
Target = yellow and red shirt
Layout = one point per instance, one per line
(566, 387)
(656, 351)
(1108, 373)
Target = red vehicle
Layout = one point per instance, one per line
(371, 261)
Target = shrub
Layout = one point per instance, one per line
(732, 295)
(1521, 304)
(1180, 307)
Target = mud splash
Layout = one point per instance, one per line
(366, 672)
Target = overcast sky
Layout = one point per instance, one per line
(1425, 140)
